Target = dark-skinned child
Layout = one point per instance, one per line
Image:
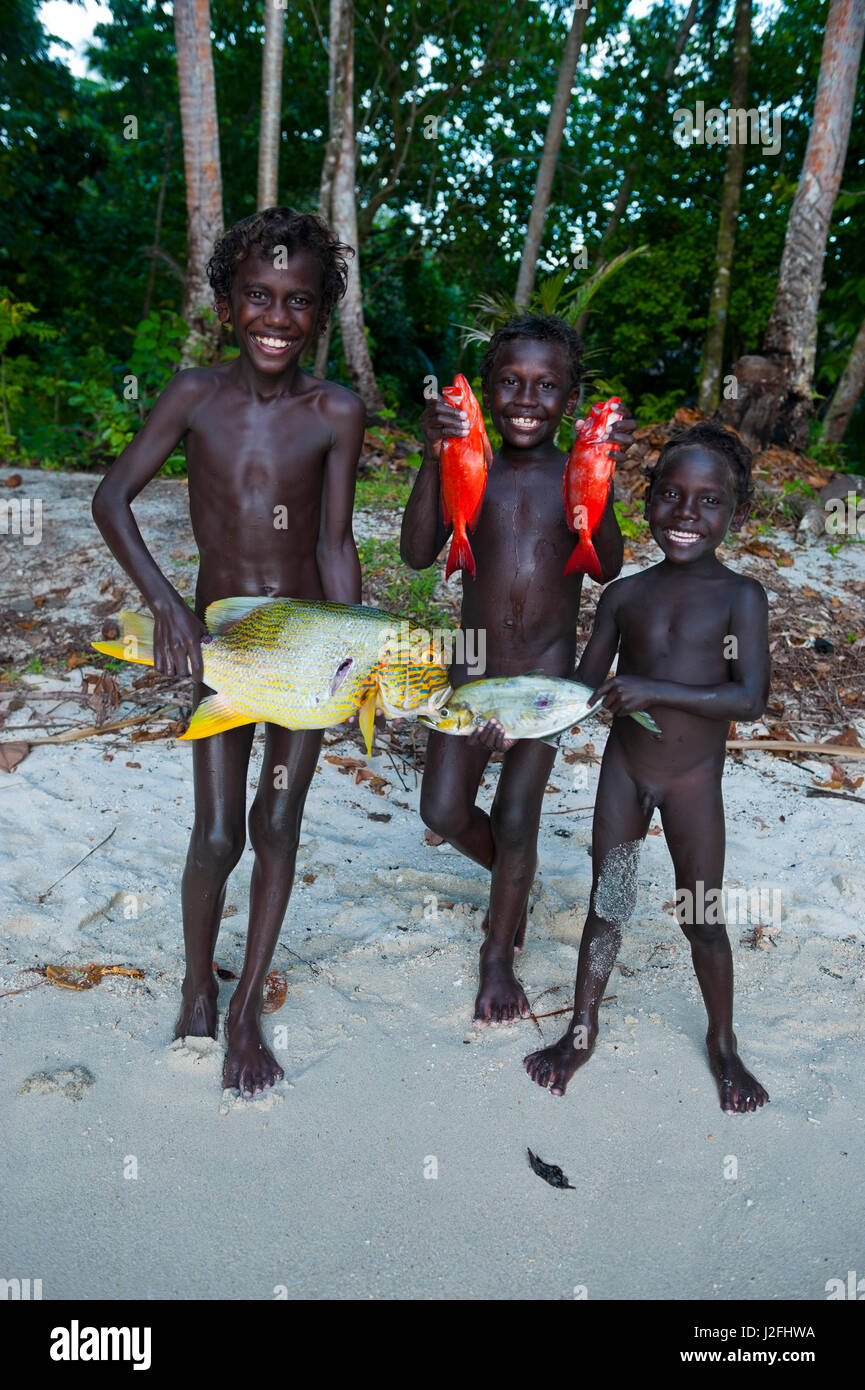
(692, 644)
(527, 610)
(272, 455)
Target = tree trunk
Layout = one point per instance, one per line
(202, 169)
(550, 155)
(731, 191)
(343, 220)
(336, 65)
(271, 103)
(847, 392)
(351, 322)
(776, 406)
(653, 108)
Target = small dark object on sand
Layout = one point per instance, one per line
(549, 1172)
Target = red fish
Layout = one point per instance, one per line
(463, 473)
(588, 471)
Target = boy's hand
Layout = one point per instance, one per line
(627, 694)
(441, 420)
(177, 634)
(620, 432)
(491, 735)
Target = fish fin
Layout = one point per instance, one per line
(366, 718)
(225, 612)
(460, 556)
(213, 716)
(584, 560)
(488, 448)
(551, 739)
(533, 673)
(646, 721)
(135, 642)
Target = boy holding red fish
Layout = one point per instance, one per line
(272, 456)
(526, 606)
(691, 618)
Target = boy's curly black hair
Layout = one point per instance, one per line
(277, 227)
(717, 440)
(545, 328)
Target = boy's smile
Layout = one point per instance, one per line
(692, 506)
(529, 391)
(275, 308)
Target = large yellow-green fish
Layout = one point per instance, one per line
(301, 663)
(532, 706)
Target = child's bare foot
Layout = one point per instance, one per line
(740, 1091)
(555, 1065)
(500, 997)
(250, 1066)
(198, 1012)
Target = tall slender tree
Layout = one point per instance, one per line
(775, 391)
(731, 192)
(271, 102)
(342, 213)
(202, 167)
(847, 393)
(549, 157)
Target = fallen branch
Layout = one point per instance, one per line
(73, 735)
(42, 896)
(834, 796)
(783, 745)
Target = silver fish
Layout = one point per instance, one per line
(532, 706)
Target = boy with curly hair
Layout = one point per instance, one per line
(693, 649)
(271, 456)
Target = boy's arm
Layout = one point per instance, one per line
(177, 631)
(335, 551)
(608, 543)
(423, 530)
(742, 697)
(603, 643)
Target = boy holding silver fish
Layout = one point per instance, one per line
(691, 617)
(271, 455)
(531, 373)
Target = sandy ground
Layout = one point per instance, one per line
(391, 1163)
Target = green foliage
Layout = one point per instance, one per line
(632, 523)
(399, 590)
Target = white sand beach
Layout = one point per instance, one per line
(391, 1162)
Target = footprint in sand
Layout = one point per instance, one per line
(71, 1082)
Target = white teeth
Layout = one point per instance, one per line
(522, 420)
(270, 342)
(683, 537)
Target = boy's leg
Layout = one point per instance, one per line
(514, 821)
(622, 816)
(219, 767)
(452, 774)
(289, 762)
(693, 820)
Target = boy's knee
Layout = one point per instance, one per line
(512, 825)
(275, 825)
(438, 816)
(218, 846)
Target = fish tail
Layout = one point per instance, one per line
(584, 560)
(460, 556)
(646, 720)
(135, 642)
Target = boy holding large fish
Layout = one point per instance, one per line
(692, 619)
(513, 539)
(271, 455)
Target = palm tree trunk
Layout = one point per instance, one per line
(731, 191)
(271, 104)
(776, 402)
(201, 164)
(550, 155)
(847, 392)
(336, 63)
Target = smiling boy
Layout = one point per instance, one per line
(693, 651)
(271, 455)
(527, 608)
